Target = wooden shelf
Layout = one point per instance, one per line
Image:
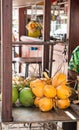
(27, 114)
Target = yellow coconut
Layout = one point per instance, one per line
(63, 91)
(37, 82)
(63, 104)
(46, 104)
(36, 101)
(37, 87)
(49, 91)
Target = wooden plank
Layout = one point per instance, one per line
(6, 58)
(24, 114)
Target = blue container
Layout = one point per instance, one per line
(33, 48)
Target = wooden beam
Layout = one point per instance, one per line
(6, 59)
(46, 33)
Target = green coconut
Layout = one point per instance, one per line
(26, 97)
(14, 94)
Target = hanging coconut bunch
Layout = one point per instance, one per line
(34, 29)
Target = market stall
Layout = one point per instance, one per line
(9, 113)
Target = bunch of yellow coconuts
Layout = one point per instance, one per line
(51, 92)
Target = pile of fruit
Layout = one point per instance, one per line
(46, 93)
(51, 93)
(22, 92)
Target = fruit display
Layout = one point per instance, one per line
(44, 93)
(48, 95)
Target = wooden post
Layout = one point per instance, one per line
(6, 59)
(22, 21)
(22, 29)
(73, 25)
(46, 33)
(73, 42)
